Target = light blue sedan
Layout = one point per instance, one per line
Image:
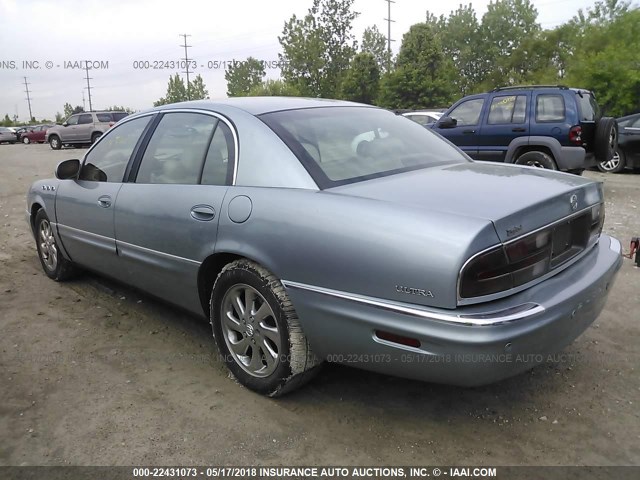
(311, 230)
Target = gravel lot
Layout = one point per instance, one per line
(94, 373)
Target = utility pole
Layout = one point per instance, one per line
(26, 89)
(389, 39)
(86, 67)
(186, 61)
(84, 105)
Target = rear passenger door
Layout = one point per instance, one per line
(84, 128)
(505, 120)
(166, 216)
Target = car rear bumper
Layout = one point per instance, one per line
(468, 346)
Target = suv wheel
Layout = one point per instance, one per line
(537, 159)
(605, 140)
(615, 165)
(54, 142)
(95, 137)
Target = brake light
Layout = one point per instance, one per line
(111, 124)
(575, 135)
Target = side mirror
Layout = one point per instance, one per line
(64, 124)
(447, 122)
(68, 169)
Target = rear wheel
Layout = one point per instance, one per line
(616, 164)
(537, 159)
(95, 137)
(54, 142)
(53, 263)
(257, 330)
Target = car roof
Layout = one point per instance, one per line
(260, 105)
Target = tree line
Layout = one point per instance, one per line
(444, 58)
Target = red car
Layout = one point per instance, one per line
(35, 134)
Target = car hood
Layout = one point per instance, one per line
(516, 199)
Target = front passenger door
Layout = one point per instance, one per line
(465, 133)
(167, 219)
(85, 206)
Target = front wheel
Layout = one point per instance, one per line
(54, 143)
(537, 159)
(257, 330)
(53, 263)
(26, 140)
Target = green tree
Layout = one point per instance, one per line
(197, 89)
(241, 77)
(70, 110)
(375, 43)
(176, 92)
(317, 49)
(362, 81)
(504, 28)
(59, 117)
(274, 88)
(422, 75)
(117, 108)
(6, 121)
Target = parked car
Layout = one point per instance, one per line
(7, 135)
(552, 127)
(627, 154)
(396, 254)
(21, 130)
(35, 134)
(82, 128)
(423, 117)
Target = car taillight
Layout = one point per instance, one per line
(111, 124)
(597, 219)
(575, 135)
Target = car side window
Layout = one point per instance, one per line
(219, 162)
(85, 119)
(549, 108)
(507, 109)
(108, 160)
(177, 149)
(104, 117)
(468, 113)
(72, 120)
(636, 124)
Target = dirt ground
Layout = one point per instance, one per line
(94, 373)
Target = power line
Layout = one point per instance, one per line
(86, 67)
(389, 39)
(186, 61)
(26, 89)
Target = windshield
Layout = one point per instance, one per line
(339, 145)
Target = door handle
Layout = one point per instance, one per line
(467, 132)
(104, 201)
(518, 129)
(203, 213)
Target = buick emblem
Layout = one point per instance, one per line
(573, 201)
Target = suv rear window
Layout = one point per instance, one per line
(549, 108)
(589, 110)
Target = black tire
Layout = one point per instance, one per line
(294, 362)
(95, 137)
(26, 140)
(62, 268)
(616, 164)
(605, 140)
(538, 159)
(54, 142)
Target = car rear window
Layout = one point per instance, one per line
(340, 145)
(589, 109)
(549, 108)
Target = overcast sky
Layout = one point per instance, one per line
(123, 31)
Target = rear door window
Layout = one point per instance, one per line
(177, 149)
(550, 108)
(85, 119)
(507, 109)
(104, 117)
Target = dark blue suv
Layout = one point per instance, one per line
(547, 126)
